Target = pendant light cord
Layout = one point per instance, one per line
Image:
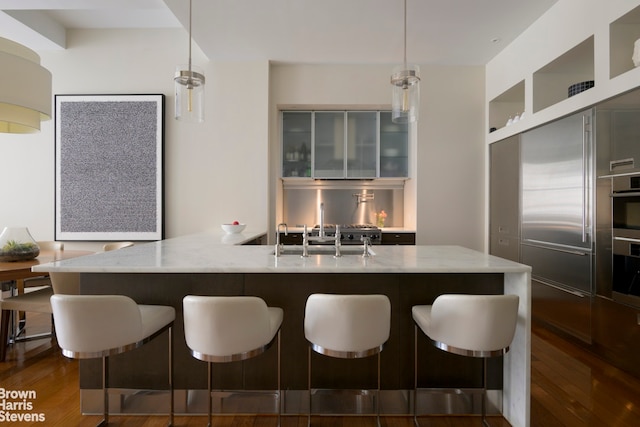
(405, 34)
(190, 75)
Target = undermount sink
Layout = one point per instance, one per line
(324, 250)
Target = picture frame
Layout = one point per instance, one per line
(109, 167)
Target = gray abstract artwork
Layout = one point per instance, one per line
(108, 168)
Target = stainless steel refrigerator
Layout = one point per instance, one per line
(557, 213)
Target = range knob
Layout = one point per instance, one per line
(350, 237)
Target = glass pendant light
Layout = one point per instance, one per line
(189, 84)
(405, 82)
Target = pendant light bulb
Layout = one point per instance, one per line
(405, 84)
(189, 88)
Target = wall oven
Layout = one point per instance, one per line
(625, 204)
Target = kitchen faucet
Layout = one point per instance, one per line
(286, 233)
(366, 242)
(322, 236)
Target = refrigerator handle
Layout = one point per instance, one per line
(585, 184)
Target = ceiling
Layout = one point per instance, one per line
(452, 32)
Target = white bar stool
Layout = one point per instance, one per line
(467, 325)
(92, 326)
(347, 327)
(221, 329)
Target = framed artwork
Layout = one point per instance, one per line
(109, 167)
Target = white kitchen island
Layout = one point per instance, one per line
(211, 263)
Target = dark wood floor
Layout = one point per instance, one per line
(570, 387)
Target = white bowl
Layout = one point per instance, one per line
(233, 229)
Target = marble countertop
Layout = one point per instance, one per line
(211, 252)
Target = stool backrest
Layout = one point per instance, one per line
(474, 322)
(116, 245)
(90, 324)
(65, 283)
(50, 245)
(223, 325)
(347, 323)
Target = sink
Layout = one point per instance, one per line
(323, 250)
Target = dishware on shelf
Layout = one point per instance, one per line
(580, 87)
(16, 244)
(233, 228)
(636, 53)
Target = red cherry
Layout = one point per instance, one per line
(236, 223)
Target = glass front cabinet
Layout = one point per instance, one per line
(343, 145)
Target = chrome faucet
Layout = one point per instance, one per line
(337, 243)
(278, 250)
(322, 235)
(305, 242)
(366, 242)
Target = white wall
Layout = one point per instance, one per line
(214, 172)
(445, 196)
(451, 157)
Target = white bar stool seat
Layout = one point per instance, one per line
(221, 329)
(468, 325)
(347, 327)
(99, 326)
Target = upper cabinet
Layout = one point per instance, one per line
(343, 145)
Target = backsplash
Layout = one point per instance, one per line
(344, 203)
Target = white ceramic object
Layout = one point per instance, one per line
(233, 228)
(636, 53)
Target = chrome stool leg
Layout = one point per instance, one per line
(378, 394)
(415, 375)
(279, 385)
(309, 384)
(171, 404)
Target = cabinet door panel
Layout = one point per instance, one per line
(504, 189)
(361, 144)
(394, 147)
(329, 145)
(561, 309)
(296, 143)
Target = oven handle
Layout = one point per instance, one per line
(630, 247)
(626, 194)
(627, 239)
